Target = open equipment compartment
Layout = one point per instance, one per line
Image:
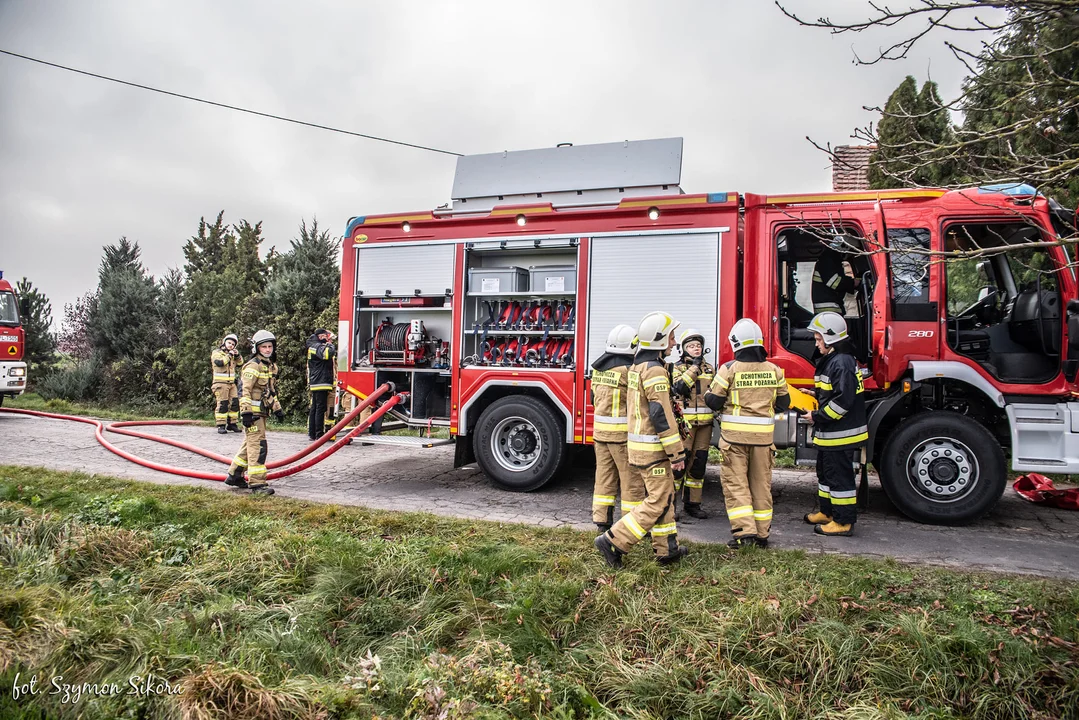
(520, 305)
(403, 323)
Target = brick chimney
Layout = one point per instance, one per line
(850, 171)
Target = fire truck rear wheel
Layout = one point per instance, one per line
(943, 468)
(519, 443)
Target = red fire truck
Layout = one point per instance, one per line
(490, 310)
(12, 342)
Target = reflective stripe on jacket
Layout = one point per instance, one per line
(320, 360)
(839, 421)
(750, 390)
(651, 439)
(223, 365)
(691, 383)
(609, 400)
(259, 378)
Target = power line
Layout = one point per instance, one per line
(230, 107)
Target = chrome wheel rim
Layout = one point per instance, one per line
(516, 444)
(943, 470)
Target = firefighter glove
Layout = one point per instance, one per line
(698, 360)
(279, 415)
(248, 419)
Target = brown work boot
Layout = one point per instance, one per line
(611, 554)
(816, 518)
(834, 528)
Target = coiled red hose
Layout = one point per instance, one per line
(100, 428)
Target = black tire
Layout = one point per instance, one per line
(943, 468)
(520, 443)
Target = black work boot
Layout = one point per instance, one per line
(236, 481)
(232, 427)
(611, 554)
(694, 510)
(762, 542)
(262, 489)
(603, 527)
(680, 552)
(221, 430)
(743, 541)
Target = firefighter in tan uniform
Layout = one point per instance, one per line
(691, 378)
(747, 392)
(654, 449)
(224, 361)
(614, 476)
(259, 377)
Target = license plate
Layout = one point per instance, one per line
(9, 338)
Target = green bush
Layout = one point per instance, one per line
(74, 383)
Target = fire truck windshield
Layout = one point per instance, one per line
(9, 309)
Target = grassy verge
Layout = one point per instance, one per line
(784, 457)
(33, 401)
(267, 608)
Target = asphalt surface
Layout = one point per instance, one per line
(1016, 537)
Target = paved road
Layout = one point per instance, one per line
(1016, 537)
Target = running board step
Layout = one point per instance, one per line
(402, 440)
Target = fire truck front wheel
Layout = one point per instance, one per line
(519, 443)
(943, 468)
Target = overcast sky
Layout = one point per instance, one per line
(83, 161)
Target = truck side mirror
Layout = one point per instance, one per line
(24, 308)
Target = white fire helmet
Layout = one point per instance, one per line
(655, 330)
(829, 325)
(746, 334)
(231, 337)
(261, 337)
(620, 341)
(690, 334)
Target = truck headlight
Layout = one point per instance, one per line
(17, 372)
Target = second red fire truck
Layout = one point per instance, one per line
(490, 310)
(12, 342)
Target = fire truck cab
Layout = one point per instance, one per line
(491, 309)
(12, 342)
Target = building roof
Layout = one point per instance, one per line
(850, 167)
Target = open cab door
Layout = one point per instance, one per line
(792, 238)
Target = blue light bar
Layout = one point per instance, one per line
(353, 224)
(1013, 189)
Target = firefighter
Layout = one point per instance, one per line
(831, 284)
(321, 355)
(839, 426)
(224, 362)
(259, 401)
(613, 473)
(691, 378)
(654, 449)
(747, 392)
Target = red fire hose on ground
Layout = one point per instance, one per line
(121, 428)
(1040, 489)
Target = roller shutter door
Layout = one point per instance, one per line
(633, 275)
(403, 270)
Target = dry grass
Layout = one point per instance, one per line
(269, 608)
(213, 692)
